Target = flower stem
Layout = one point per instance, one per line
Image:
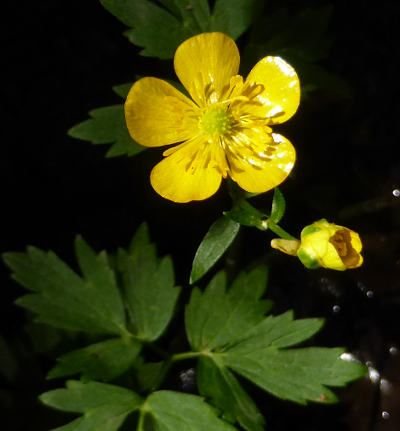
(187, 355)
(269, 224)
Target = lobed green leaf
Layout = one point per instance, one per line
(101, 361)
(160, 30)
(299, 375)
(234, 17)
(172, 411)
(214, 319)
(63, 299)
(104, 406)
(278, 331)
(149, 286)
(108, 126)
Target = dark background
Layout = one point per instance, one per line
(61, 59)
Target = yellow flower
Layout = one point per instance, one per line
(330, 246)
(225, 128)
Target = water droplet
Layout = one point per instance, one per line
(336, 308)
(393, 350)
(370, 294)
(385, 415)
(396, 193)
(349, 357)
(374, 375)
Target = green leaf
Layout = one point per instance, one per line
(277, 331)
(153, 28)
(107, 126)
(298, 375)
(63, 299)
(214, 319)
(148, 374)
(104, 406)
(230, 330)
(173, 411)
(278, 206)
(102, 361)
(195, 14)
(122, 90)
(149, 286)
(234, 17)
(217, 383)
(218, 238)
(160, 30)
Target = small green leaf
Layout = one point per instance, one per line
(218, 238)
(214, 319)
(104, 406)
(108, 126)
(234, 17)
(217, 383)
(123, 89)
(101, 361)
(63, 299)
(173, 411)
(149, 286)
(278, 206)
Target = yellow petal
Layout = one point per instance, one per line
(355, 241)
(189, 173)
(205, 63)
(331, 259)
(258, 166)
(158, 114)
(281, 95)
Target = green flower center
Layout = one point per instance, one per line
(216, 120)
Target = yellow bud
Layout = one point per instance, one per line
(330, 246)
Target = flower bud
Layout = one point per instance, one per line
(330, 246)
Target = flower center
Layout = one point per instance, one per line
(216, 120)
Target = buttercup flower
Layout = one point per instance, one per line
(225, 128)
(324, 244)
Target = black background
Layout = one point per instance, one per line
(61, 59)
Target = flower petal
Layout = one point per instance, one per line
(158, 114)
(189, 173)
(205, 63)
(281, 95)
(331, 259)
(263, 166)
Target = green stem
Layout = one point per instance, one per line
(187, 355)
(269, 224)
(140, 426)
